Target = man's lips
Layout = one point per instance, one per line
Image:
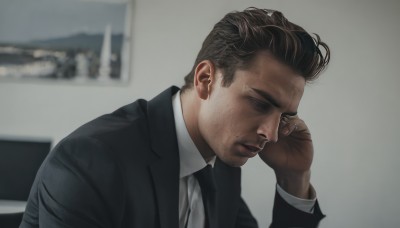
(250, 150)
(254, 149)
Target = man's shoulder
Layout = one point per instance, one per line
(127, 118)
(104, 141)
(130, 118)
(121, 132)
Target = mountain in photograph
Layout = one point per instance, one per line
(81, 41)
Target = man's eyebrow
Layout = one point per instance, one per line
(273, 101)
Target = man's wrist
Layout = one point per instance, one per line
(306, 205)
(296, 184)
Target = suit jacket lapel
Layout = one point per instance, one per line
(165, 169)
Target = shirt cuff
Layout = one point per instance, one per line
(306, 205)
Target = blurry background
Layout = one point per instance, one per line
(352, 110)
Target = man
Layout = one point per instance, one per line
(140, 165)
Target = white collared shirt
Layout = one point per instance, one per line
(192, 161)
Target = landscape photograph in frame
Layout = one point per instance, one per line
(76, 41)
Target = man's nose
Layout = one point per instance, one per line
(269, 127)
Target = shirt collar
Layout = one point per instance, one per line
(190, 159)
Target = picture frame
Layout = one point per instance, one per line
(73, 41)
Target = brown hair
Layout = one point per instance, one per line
(235, 40)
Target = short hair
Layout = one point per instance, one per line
(239, 36)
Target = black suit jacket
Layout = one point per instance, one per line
(122, 170)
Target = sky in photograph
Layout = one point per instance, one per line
(26, 20)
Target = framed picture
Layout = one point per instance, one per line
(77, 41)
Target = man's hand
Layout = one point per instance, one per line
(291, 157)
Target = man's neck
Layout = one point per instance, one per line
(190, 111)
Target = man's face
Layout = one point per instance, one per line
(238, 120)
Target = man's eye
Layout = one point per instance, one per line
(260, 105)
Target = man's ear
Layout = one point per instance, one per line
(204, 77)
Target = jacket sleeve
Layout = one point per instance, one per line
(75, 187)
(285, 215)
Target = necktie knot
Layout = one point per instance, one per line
(206, 179)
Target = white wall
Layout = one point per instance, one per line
(352, 109)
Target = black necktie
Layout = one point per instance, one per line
(206, 180)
